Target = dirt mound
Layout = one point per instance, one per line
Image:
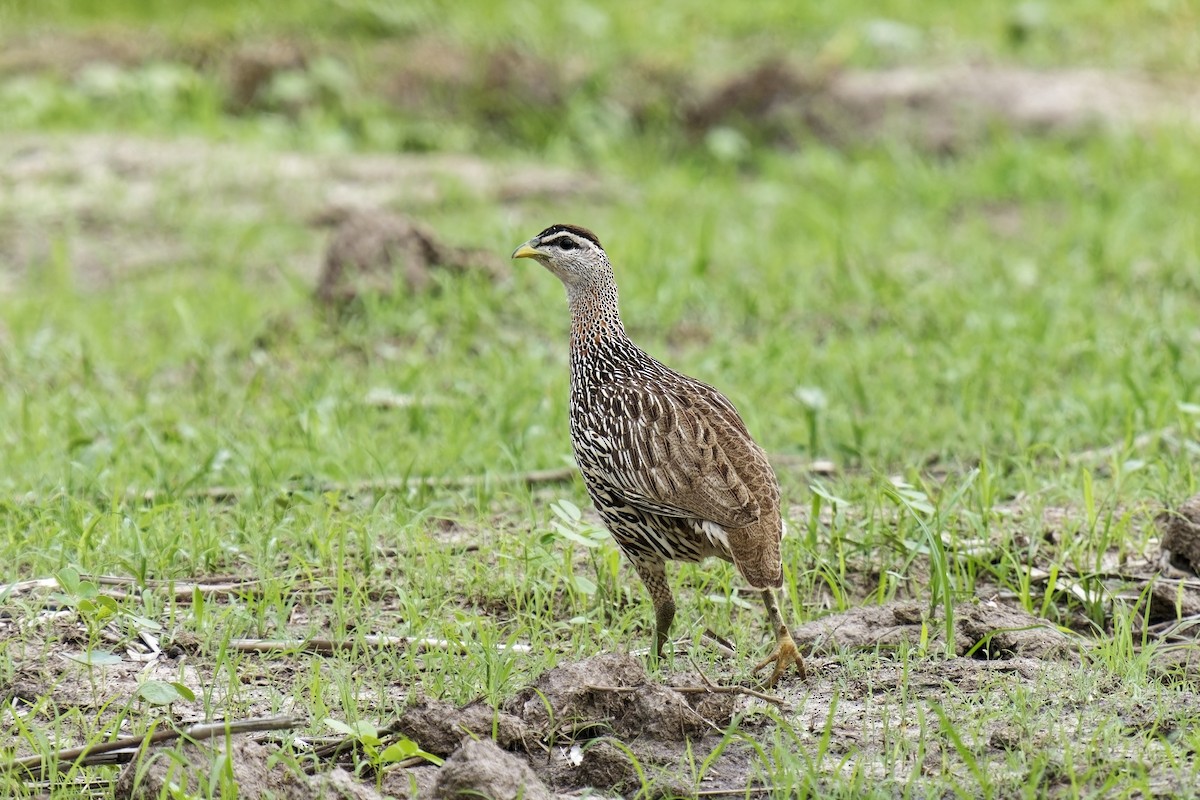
(251, 66)
(481, 769)
(372, 252)
(984, 629)
(607, 724)
(611, 693)
(582, 724)
(774, 100)
(189, 773)
(992, 630)
(441, 728)
(1180, 529)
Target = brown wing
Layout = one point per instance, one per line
(682, 450)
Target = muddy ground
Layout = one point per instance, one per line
(602, 723)
(876, 674)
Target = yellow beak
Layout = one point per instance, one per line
(526, 251)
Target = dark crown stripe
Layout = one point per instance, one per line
(575, 229)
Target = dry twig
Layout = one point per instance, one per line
(738, 792)
(539, 477)
(1139, 442)
(328, 646)
(226, 494)
(711, 688)
(125, 748)
(182, 591)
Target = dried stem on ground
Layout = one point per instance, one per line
(124, 749)
(182, 591)
(327, 646)
(537, 477)
(711, 688)
(1097, 455)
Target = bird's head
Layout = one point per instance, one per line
(572, 253)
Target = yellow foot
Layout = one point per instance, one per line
(785, 656)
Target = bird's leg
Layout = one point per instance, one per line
(654, 576)
(785, 653)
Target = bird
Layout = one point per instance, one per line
(667, 461)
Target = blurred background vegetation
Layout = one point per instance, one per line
(897, 233)
(560, 79)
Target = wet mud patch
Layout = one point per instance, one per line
(189, 772)
(984, 629)
(441, 728)
(479, 768)
(586, 724)
(603, 723)
(612, 693)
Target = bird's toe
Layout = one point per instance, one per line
(784, 657)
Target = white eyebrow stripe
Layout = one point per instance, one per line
(567, 235)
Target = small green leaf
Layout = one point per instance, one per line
(106, 607)
(732, 599)
(393, 753)
(817, 488)
(161, 693)
(407, 748)
(184, 691)
(197, 604)
(143, 623)
(567, 511)
(575, 536)
(340, 727)
(95, 658)
(584, 585)
(68, 579)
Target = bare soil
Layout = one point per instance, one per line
(112, 207)
(376, 252)
(987, 629)
(938, 108)
(603, 722)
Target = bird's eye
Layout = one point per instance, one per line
(568, 244)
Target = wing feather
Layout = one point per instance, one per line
(682, 450)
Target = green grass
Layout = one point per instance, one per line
(965, 324)
(1155, 35)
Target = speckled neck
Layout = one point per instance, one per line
(595, 314)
